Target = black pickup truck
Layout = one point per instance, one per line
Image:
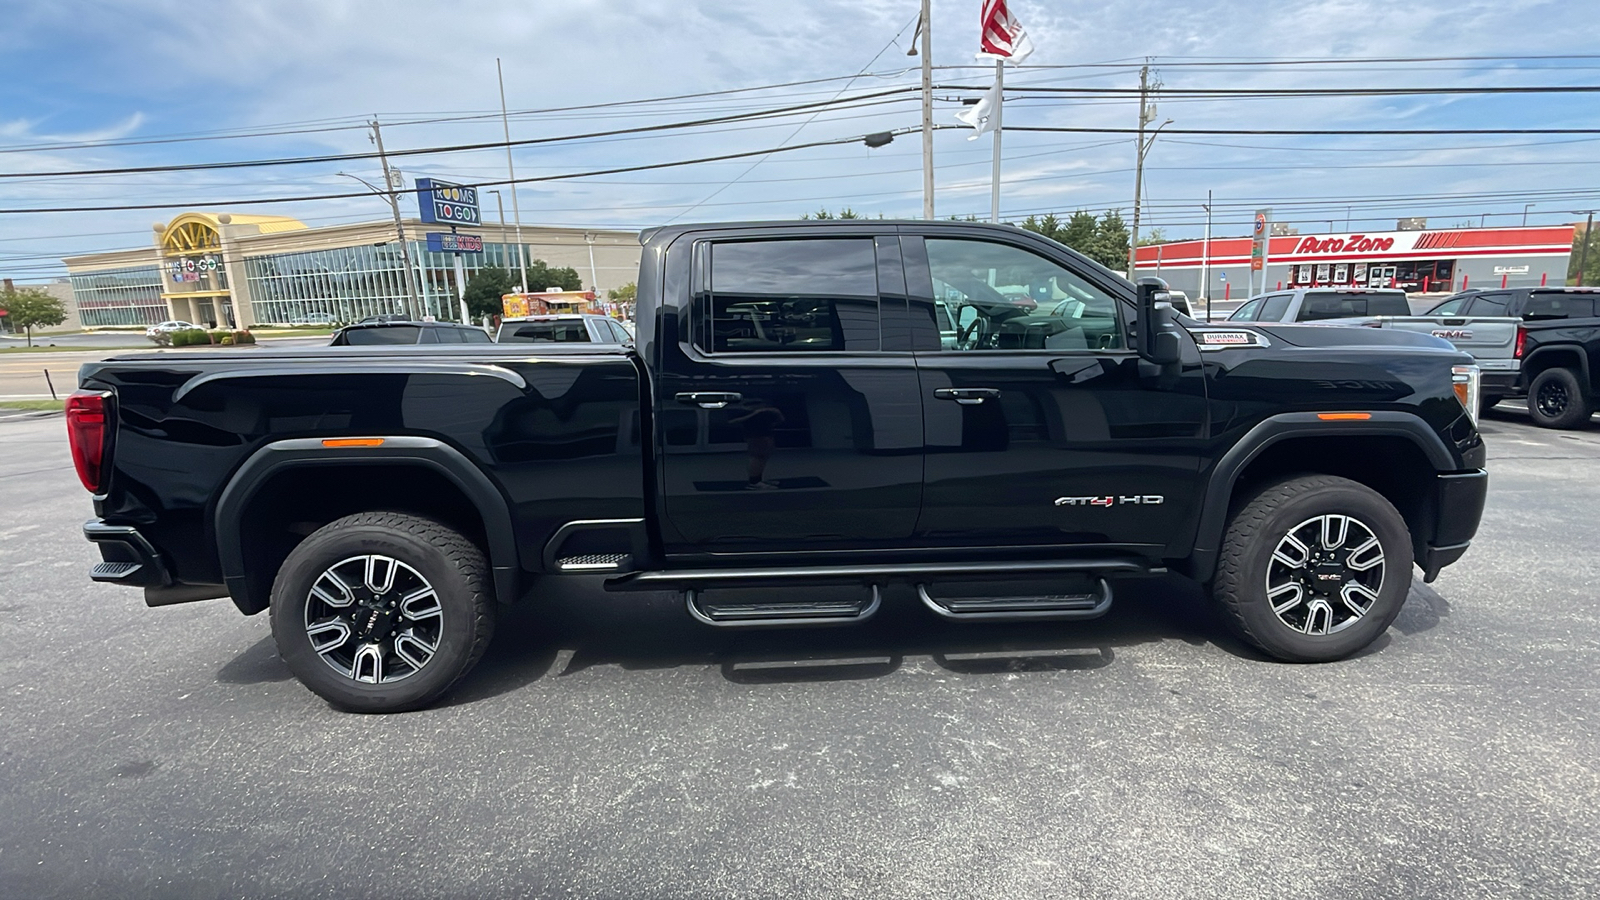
(1555, 360)
(969, 416)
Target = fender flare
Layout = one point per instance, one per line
(1224, 475)
(278, 456)
(1548, 349)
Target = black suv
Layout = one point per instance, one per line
(1558, 344)
(370, 333)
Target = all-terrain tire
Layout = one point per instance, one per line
(1257, 542)
(1556, 399)
(419, 619)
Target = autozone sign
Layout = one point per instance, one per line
(1355, 243)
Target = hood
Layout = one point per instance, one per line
(1350, 336)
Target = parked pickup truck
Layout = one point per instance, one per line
(791, 418)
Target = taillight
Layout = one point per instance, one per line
(88, 433)
(1522, 341)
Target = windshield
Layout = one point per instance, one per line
(543, 333)
(392, 334)
(1345, 304)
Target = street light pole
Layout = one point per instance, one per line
(511, 171)
(927, 110)
(413, 306)
(1525, 208)
(1147, 114)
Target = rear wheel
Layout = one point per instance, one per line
(1314, 568)
(382, 612)
(1556, 399)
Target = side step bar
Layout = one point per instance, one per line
(1052, 606)
(745, 614)
(870, 573)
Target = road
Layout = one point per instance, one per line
(608, 746)
(22, 374)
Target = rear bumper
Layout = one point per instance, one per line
(1500, 384)
(128, 558)
(1456, 510)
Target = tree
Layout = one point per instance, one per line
(542, 277)
(1156, 236)
(31, 307)
(484, 289)
(846, 213)
(1110, 245)
(625, 294)
(1591, 272)
(1078, 232)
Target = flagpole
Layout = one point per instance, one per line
(999, 105)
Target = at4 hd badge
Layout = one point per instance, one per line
(1113, 500)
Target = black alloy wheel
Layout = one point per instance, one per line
(1556, 399)
(382, 612)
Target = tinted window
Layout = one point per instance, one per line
(447, 335)
(794, 295)
(1273, 308)
(564, 332)
(1006, 298)
(1450, 307)
(1246, 312)
(474, 336)
(1489, 305)
(1339, 305)
(388, 334)
(1556, 305)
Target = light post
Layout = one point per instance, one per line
(413, 306)
(1525, 208)
(1138, 185)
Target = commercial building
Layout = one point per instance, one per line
(1428, 260)
(237, 270)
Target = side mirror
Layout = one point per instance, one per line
(1156, 333)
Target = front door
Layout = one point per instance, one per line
(786, 425)
(1042, 426)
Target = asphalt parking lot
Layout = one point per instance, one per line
(608, 746)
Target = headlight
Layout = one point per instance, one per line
(1465, 380)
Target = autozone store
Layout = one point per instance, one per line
(1425, 261)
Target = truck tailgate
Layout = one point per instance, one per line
(1492, 340)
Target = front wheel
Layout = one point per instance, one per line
(1556, 399)
(1314, 568)
(382, 612)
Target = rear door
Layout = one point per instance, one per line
(787, 408)
(1041, 427)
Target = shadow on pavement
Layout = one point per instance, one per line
(652, 631)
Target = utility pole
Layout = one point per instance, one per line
(511, 171)
(1583, 255)
(927, 113)
(414, 307)
(1205, 260)
(1138, 169)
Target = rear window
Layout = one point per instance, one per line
(544, 333)
(1557, 305)
(388, 334)
(1342, 304)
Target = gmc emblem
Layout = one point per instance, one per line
(1452, 334)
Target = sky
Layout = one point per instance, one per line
(134, 83)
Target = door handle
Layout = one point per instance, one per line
(709, 399)
(967, 396)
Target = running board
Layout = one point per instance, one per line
(779, 576)
(1006, 609)
(779, 614)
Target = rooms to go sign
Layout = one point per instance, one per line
(441, 202)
